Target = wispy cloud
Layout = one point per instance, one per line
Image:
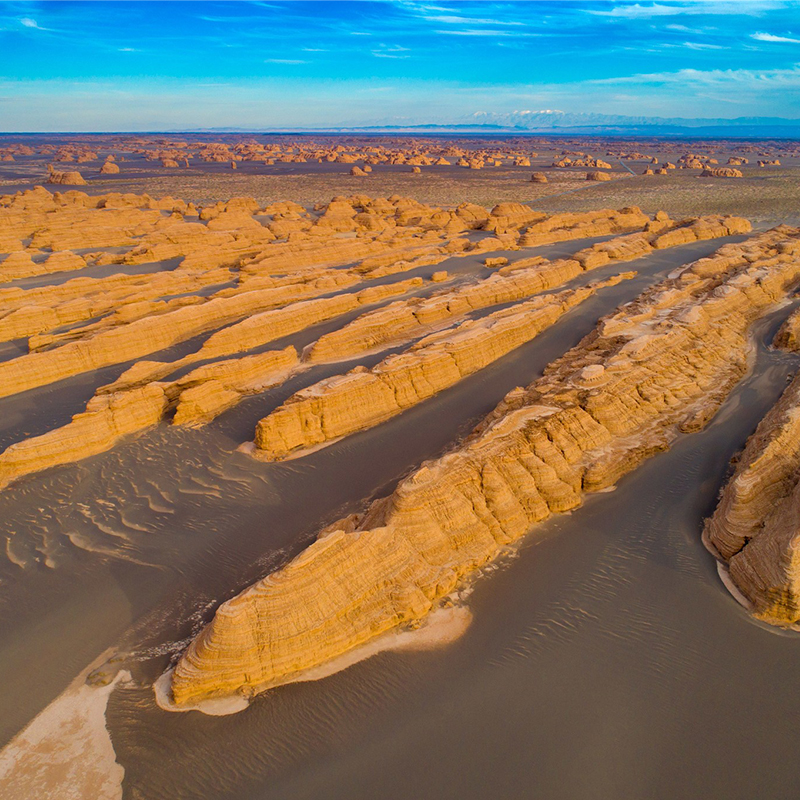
(702, 46)
(771, 37)
(27, 22)
(640, 11)
(284, 61)
(455, 20)
(390, 51)
(484, 32)
(764, 79)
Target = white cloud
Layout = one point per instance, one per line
(639, 11)
(746, 78)
(701, 46)
(455, 20)
(284, 61)
(769, 37)
(484, 32)
(27, 22)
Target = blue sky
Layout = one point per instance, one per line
(154, 65)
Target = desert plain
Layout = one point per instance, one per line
(405, 466)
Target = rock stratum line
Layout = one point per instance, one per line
(659, 366)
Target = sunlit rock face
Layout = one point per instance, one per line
(756, 526)
(661, 365)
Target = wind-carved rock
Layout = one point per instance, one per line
(362, 398)
(755, 529)
(660, 365)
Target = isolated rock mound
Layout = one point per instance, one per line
(721, 172)
(73, 178)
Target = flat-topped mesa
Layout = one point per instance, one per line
(197, 398)
(362, 398)
(661, 364)
(407, 318)
(755, 529)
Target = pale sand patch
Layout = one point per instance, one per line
(65, 752)
(441, 627)
(725, 577)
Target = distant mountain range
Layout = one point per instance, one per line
(550, 121)
(553, 122)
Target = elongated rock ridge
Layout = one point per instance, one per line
(659, 366)
(405, 318)
(362, 398)
(197, 398)
(755, 529)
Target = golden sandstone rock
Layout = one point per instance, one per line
(720, 172)
(668, 360)
(132, 340)
(344, 404)
(73, 178)
(203, 393)
(262, 328)
(755, 529)
(207, 391)
(597, 176)
(788, 335)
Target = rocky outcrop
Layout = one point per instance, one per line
(788, 335)
(568, 226)
(197, 398)
(597, 176)
(662, 364)
(73, 178)
(721, 172)
(362, 398)
(205, 392)
(115, 345)
(755, 529)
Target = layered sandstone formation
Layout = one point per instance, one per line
(660, 365)
(264, 327)
(343, 404)
(120, 343)
(755, 529)
(404, 319)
